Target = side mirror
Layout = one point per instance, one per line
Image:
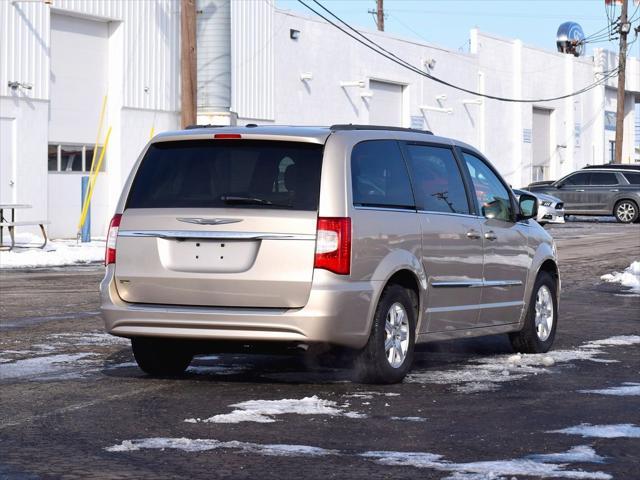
(558, 185)
(528, 207)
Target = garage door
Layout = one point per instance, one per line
(385, 107)
(78, 78)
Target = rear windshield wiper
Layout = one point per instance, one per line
(244, 200)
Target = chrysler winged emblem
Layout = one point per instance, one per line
(209, 221)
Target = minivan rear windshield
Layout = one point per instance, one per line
(228, 174)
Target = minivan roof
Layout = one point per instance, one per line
(312, 134)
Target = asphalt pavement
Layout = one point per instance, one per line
(73, 404)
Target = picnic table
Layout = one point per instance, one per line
(10, 223)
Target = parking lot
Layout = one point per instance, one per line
(73, 404)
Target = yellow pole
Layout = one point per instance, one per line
(93, 159)
(95, 148)
(92, 181)
(152, 132)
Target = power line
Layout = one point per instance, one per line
(370, 44)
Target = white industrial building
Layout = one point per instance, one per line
(259, 64)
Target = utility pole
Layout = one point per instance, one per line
(379, 13)
(188, 72)
(624, 29)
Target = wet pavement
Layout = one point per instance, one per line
(74, 405)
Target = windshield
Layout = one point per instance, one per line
(229, 174)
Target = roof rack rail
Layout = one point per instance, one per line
(618, 166)
(351, 126)
(193, 127)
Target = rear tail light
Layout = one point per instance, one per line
(110, 253)
(333, 245)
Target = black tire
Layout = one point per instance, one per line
(528, 339)
(626, 211)
(161, 357)
(372, 365)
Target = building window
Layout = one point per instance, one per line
(72, 158)
(612, 151)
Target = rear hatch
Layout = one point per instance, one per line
(229, 223)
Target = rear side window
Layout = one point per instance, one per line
(228, 173)
(578, 179)
(632, 178)
(437, 179)
(379, 175)
(603, 178)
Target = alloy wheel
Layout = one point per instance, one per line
(396, 343)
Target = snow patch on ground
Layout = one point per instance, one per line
(488, 373)
(217, 369)
(629, 278)
(201, 445)
(554, 465)
(410, 419)
(544, 466)
(57, 253)
(49, 365)
(626, 389)
(264, 411)
(587, 430)
(369, 395)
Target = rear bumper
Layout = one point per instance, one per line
(337, 312)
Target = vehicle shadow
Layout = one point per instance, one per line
(306, 368)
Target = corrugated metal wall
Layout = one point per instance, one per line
(214, 55)
(150, 47)
(252, 59)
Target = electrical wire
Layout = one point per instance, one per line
(370, 44)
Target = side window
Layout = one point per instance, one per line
(604, 178)
(581, 178)
(437, 179)
(379, 175)
(492, 195)
(632, 178)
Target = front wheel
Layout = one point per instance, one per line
(541, 320)
(388, 355)
(161, 357)
(626, 211)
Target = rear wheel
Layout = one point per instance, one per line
(626, 211)
(161, 357)
(542, 318)
(388, 355)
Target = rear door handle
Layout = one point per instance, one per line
(614, 190)
(490, 235)
(473, 234)
(579, 190)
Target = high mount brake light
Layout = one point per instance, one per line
(227, 135)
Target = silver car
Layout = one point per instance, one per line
(366, 238)
(550, 208)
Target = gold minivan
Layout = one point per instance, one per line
(357, 236)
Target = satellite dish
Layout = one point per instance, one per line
(570, 39)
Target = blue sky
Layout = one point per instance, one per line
(447, 23)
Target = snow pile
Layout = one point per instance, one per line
(488, 373)
(586, 430)
(57, 253)
(202, 445)
(263, 411)
(630, 278)
(626, 389)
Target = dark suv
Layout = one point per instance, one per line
(597, 191)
